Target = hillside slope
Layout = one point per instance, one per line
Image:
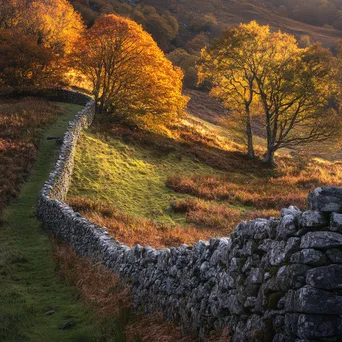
(229, 13)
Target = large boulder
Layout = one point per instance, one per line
(326, 199)
(321, 240)
(311, 300)
(309, 257)
(315, 328)
(326, 277)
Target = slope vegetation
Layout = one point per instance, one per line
(229, 13)
(194, 183)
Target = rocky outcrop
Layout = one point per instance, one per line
(272, 280)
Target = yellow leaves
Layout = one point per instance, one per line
(134, 78)
(55, 24)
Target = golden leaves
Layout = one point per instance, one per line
(130, 75)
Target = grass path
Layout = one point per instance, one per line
(29, 286)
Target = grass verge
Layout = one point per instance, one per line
(29, 286)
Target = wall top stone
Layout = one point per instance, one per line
(326, 199)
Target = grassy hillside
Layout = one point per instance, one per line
(195, 183)
(233, 12)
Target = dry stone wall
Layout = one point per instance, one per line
(272, 280)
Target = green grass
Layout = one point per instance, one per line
(28, 283)
(130, 177)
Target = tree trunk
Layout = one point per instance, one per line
(269, 159)
(249, 133)
(98, 104)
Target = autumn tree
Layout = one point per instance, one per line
(53, 23)
(130, 76)
(251, 66)
(295, 87)
(10, 12)
(37, 36)
(228, 62)
(24, 65)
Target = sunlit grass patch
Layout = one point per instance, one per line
(130, 176)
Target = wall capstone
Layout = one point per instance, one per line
(273, 280)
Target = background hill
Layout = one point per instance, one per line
(182, 28)
(229, 13)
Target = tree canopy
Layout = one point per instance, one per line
(130, 76)
(251, 67)
(36, 37)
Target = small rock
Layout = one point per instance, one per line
(255, 277)
(336, 222)
(287, 226)
(233, 304)
(279, 321)
(250, 302)
(335, 255)
(291, 210)
(265, 245)
(281, 338)
(67, 325)
(276, 253)
(313, 219)
(292, 246)
(291, 276)
(49, 313)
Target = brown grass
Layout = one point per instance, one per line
(204, 221)
(21, 125)
(289, 185)
(100, 287)
(204, 214)
(110, 298)
(131, 230)
(220, 217)
(244, 190)
(208, 187)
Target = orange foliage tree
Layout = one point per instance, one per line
(130, 76)
(36, 38)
